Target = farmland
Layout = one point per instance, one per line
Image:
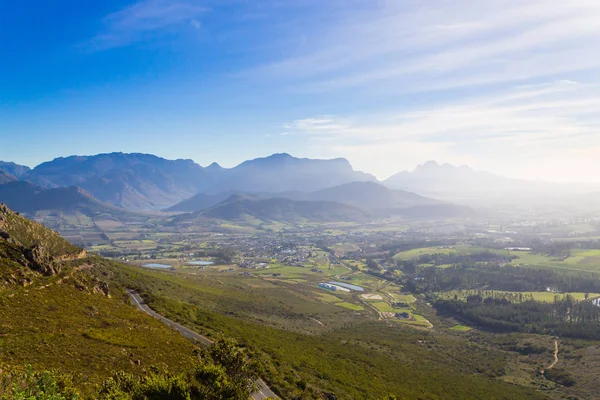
(262, 289)
(579, 260)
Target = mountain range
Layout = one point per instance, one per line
(16, 170)
(28, 198)
(282, 173)
(276, 209)
(351, 202)
(5, 177)
(131, 181)
(370, 196)
(465, 185)
(146, 182)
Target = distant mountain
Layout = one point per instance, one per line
(28, 198)
(283, 173)
(365, 195)
(132, 181)
(370, 196)
(240, 207)
(13, 169)
(5, 177)
(374, 199)
(462, 183)
(200, 202)
(147, 182)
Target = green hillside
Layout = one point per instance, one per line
(239, 208)
(68, 330)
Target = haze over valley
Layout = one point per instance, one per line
(300, 200)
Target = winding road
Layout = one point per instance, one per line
(263, 391)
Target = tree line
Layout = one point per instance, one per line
(563, 317)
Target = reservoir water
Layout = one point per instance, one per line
(158, 266)
(202, 263)
(348, 286)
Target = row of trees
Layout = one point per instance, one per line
(495, 277)
(563, 317)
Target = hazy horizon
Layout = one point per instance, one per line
(379, 178)
(505, 87)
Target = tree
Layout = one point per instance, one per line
(229, 365)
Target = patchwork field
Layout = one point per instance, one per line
(460, 250)
(580, 260)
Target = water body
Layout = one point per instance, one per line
(348, 286)
(203, 263)
(158, 266)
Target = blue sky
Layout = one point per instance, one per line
(508, 86)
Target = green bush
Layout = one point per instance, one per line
(29, 385)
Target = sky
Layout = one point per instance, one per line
(510, 87)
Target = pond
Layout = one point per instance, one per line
(203, 263)
(159, 266)
(348, 286)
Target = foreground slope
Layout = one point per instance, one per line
(350, 355)
(77, 320)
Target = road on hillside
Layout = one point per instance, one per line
(263, 391)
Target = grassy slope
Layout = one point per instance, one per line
(87, 335)
(362, 359)
(579, 261)
(64, 320)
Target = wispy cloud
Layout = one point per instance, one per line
(146, 19)
(408, 46)
(535, 131)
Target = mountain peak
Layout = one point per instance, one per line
(214, 166)
(428, 166)
(281, 156)
(13, 169)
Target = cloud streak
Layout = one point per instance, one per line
(440, 44)
(145, 20)
(516, 132)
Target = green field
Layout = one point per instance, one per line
(580, 260)
(460, 250)
(461, 328)
(383, 306)
(350, 306)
